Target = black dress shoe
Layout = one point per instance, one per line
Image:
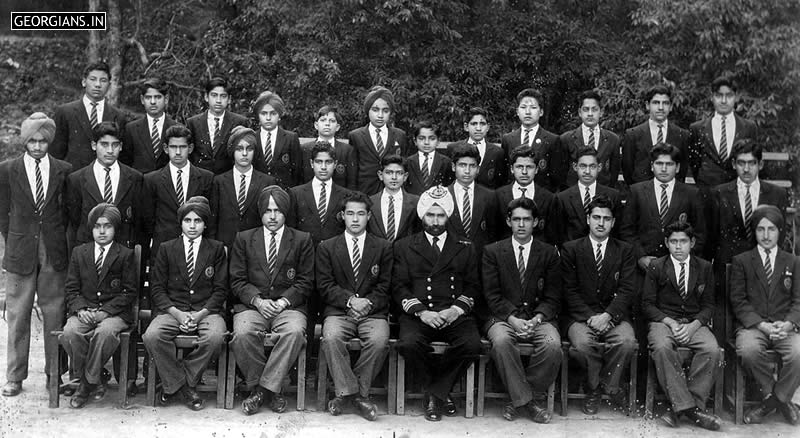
(758, 413)
(790, 412)
(366, 408)
(12, 388)
(253, 403)
(619, 402)
(537, 413)
(81, 395)
(592, 402)
(432, 408)
(449, 407)
(510, 412)
(99, 392)
(702, 419)
(670, 418)
(278, 403)
(191, 398)
(336, 405)
(131, 388)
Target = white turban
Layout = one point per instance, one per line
(436, 195)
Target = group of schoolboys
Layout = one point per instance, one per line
(516, 243)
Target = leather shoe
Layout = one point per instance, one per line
(449, 407)
(758, 413)
(619, 402)
(81, 396)
(11, 388)
(251, 404)
(509, 412)
(537, 413)
(336, 405)
(432, 408)
(277, 404)
(790, 412)
(592, 402)
(366, 408)
(670, 418)
(702, 419)
(191, 398)
(99, 392)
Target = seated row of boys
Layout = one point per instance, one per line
(705, 147)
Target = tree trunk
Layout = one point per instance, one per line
(93, 49)
(114, 51)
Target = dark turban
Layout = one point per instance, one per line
(770, 213)
(277, 193)
(198, 205)
(108, 211)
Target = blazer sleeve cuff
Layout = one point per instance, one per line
(412, 306)
(464, 302)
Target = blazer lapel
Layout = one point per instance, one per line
(421, 246)
(260, 245)
(113, 252)
(367, 260)
(368, 140)
(91, 184)
(194, 178)
(650, 193)
(533, 259)
(694, 266)
(449, 250)
(455, 218)
(343, 257)
(758, 265)
(166, 179)
(709, 144)
(283, 250)
(671, 274)
(125, 184)
(200, 260)
(780, 266)
(335, 200)
(377, 215)
(52, 184)
(610, 256)
(733, 195)
(83, 118)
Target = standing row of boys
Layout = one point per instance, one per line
(453, 272)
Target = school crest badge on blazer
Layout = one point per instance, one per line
(490, 174)
(616, 276)
(542, 164)
(787, 279)
(375, 270)
(340, 168)
(540, 284)
(701, 288)
(290, 274)
(683, 218)
(483, 225)
(115, 283)
(129, 213)
(398, 151)
(209, 272)
(285, 158)
(538, 141)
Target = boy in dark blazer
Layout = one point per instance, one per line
(278, 153)
(272, 275)
(212, 128)
(33, 222)
(493, 166)
(574, 201)
(475, 216)
(435, 280)
(106, 180)
(234, 194)
(327, 125)
(354, 271)
(709, 156)
(315, 203)
(530, 108)
(100, 289)
(393, 214)
(522, 289)
(524, 170)
(678, 302)
(598, 272)
(75, 120)
(165, 190)
(637, 141)
(589, 133)
(427, 167)
(145, 137)
(654, 204)
(765, 295)
(189, 289)
(377, 139)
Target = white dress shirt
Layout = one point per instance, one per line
(100, 176)
(730, 130)
(677, 266)
(772, 254)
(273, 135)
(526, 250)
(585, 130)
(516, 192)
(592, 190)
(101, 107)
(398, 207)
(603, 246)
(173, 172)
(481, 145)
(348, 238)
(237, 179)
(421, 156)
(268, 237)
(458, 189)
(531, 135)
(316, 186)
(657, 189)
(440, 243)
(741, 189)
(654, 130)
(105, 251)
(30, 170)
(213, 123)
(197, 241)
(384, 135)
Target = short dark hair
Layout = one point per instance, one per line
(215, 82)
(465, 150)
(522, 202)
(590, 94)
(155, 83)
(269, 98)
(723, 81)
(585, 151)
(178, 131)
(106, 128)
(679, 227)
(99, 66)
(476, 111)
(425, 124)
(394, 159)
(521, 152)
(355, 196)
(747, 146)
(329, 109)
(378, 92)
(770, 213)
(601, 201)
(658, 89)
(322, 147)
(531, 92)
(665, 149)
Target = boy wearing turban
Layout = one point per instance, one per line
(33, 225)
(100, 289)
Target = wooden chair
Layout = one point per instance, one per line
(269, 341)
(468, 393)
(652, 383)
(525, 349)
(356, 345)
(183, 343)
(55, 337)
(566, 395)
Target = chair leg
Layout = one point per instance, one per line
(482, 363)
(738, 389)
(470, 408)
(391, 390)
(564, 384)
(222, 368)
(301, 379)
(401, 385)
(152, 376)
(718, 388)
(650, 390)
(551, 397)
(632, 387)
(230, 378)
(322, 380)
(125, 349)
(54, 371)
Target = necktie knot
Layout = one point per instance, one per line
(766, 251)
(436, 242)
(107, 169)
(38, 161)
(216, 120)
(522, 190)
(94, 104)
(664, 186)
(274, 233)
(426, 154)
(180, 171)
(682, 265)
(521, 248)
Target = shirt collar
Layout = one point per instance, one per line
(525, 246)
(741, 185)
(442, 237)
(350, 237)
(100, 168)
(397, 197)
(211, 117)
(654, 124)
(88, 102)
(592, 187)
(772, 253)
(461, 188)
(30, 161)
(105, 247)
(530, 188)
(173, 169)
(197, 241)
(677, 264)
(603, 243)
(151, 119)
(670, 185)
(247, 173)
(278, 234)
(273, 131)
